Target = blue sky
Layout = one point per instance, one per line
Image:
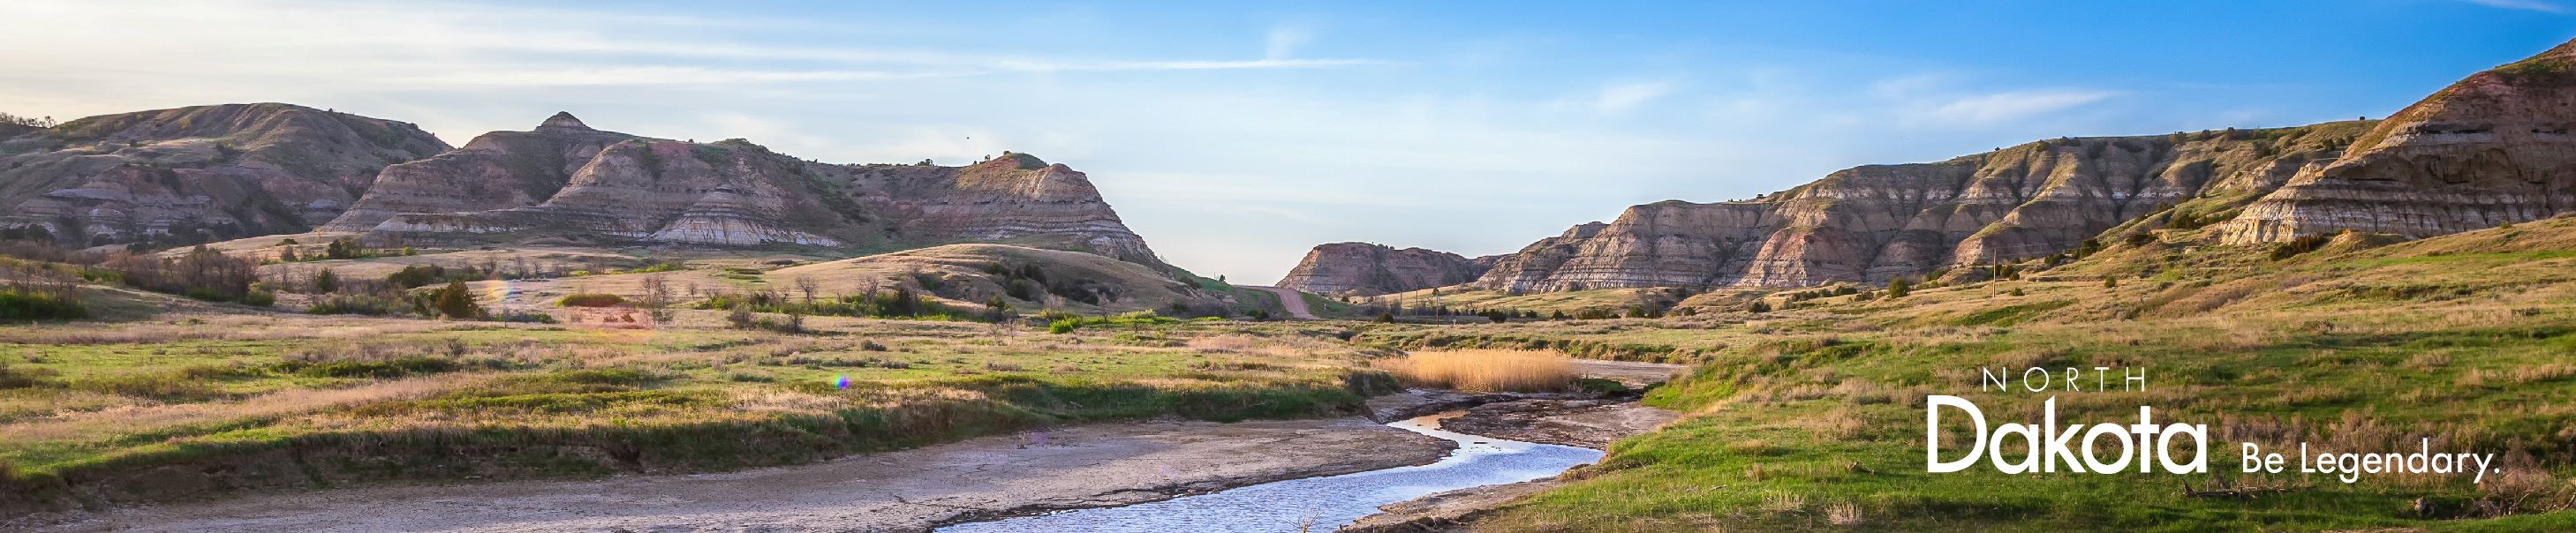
(1233, 137)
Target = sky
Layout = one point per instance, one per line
(1234, 136)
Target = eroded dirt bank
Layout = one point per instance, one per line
(913, 490)
(1567, 420)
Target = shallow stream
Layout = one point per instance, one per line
(1321, 503)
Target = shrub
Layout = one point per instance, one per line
(524, 317)
(2298, 246)
(391, 368)
(172, 387)
(581, 299)
(357, 304)
(11, 378)
(27, 303)
(203, 273)
(259, 298)
(1897, 288)
(455, 301)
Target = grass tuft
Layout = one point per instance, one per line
(1484, 370)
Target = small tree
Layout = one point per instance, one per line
(326, 282)
(1897, 288)
(455, 301)
(996, 309)
(807, 285)
(657, 297)
(1760, 307)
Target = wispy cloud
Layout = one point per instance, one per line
(2004, 107)
(1620, 97)
(2525, 5)
(1284, 41)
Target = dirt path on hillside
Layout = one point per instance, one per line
(913, 490)
(1294, 301)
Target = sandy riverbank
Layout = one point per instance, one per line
(1086, 466)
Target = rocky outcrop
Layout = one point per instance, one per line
(195, 174)
(2491, 149)
(567, 180)
(1874, 223)
(1365, 269)
(497, 170)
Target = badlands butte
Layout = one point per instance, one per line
(264, 317)
(2492, 149)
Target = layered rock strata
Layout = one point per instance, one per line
(567, 180)
(1874, 223)
(195, 174)
(2492, 149)
(1365, 269)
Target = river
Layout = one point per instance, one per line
(1320, 503)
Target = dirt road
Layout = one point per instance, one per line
(1085, 466)
(1288, 298)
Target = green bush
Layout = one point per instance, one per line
(357, 304)
(524, 317)
(590, 299)
(259, 298)
(20, 304)
(391, 368)
(172, 387)
(455, 301)
(11, 378)
(1068, 325)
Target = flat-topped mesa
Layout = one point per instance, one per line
(1365, 269)
(1878, 222)
(194, 174)
(2494, 148)
(566, 180)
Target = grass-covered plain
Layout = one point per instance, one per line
(210, 400)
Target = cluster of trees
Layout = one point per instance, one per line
(899, 302)
(32, 122)
(1030, 283)
(203, 273)
(341, 248)
(34, 293)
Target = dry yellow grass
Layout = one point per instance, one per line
(1484, 370)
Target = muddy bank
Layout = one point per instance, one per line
(1586, 423)
(913, 490)
(1589, 421)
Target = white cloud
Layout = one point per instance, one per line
(2525, 5)
(1621, 97)
(1996, 108)
(1284, 41)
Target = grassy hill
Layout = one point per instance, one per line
(1811, 418)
